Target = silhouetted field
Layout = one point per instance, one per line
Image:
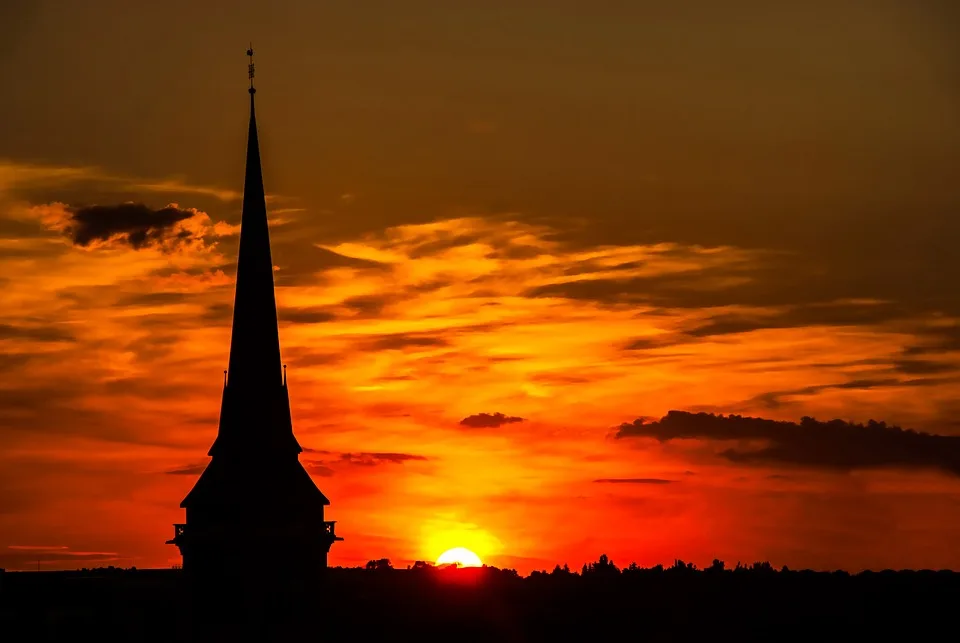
(488, 604)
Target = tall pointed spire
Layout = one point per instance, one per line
(255, 343)
(255, 413)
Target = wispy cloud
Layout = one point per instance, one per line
(15, 175)
(653, 481)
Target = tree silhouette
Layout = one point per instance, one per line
(379, 565)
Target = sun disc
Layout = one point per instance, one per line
(460, 556)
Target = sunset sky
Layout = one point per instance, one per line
(501, 230)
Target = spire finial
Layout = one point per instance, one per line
(250, 68)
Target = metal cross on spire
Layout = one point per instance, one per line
(250, 68)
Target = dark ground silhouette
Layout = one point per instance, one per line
(598, 603)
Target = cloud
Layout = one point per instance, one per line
(301, 265)
(829, 313)
(305, 358)
(188, 470)
(325, 467)
(318, 315)
(318, 469)
(836, 444)
(489, 421)
(55, 556)
(40, 333)
(923, 367)
(775, 399)
(442, 242)
(152, 299)
(221, 312)
(662, 275)
(38, 547)
(24, 176)
(134, 224)
(366, 459)
(328, 466)
(400, 341)
(654, 481)
(369, 305)
(324, 258)
(936, 339)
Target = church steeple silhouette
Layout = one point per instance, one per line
(254, 500)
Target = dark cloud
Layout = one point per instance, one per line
(488, 421)
(221, 312)
(775, 399)
(935, 340)
(304, 359)
(922, 367)
(368, 305)
(362, 306)
(327, 467)
(685, 290)
(319, 315)
(152, 347)
(818, 314)
(318, 469)
(365, 459)
(434, 285)
(399, 341)
(590, 266)
(20, 230)
(323, 259)
(151, 299)
(446, 241)
(859, 290)
(300, 263)
(10, 361)
(515, 252)
(188, 470)
(836, 444)
(136, 224)
(57, 408)
(562, 379)
(45, 333)
(26, 557)
(664, 340)
(148, 388)
(633, 481)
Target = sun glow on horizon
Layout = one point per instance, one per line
(460, 556)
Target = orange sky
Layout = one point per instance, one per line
(592, 217)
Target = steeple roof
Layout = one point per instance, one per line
(255, 341)
(255, 413)
(255, 455)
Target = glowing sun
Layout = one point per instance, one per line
(460, 556)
